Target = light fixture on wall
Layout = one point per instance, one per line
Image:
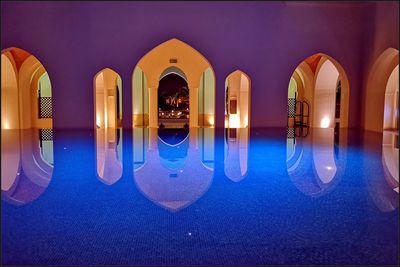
(98, 121)
(211, 121)
(325, 122)
(234, 121)
(6, 125)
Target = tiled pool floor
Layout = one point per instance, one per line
(216, 197)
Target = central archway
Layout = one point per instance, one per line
(178, 58)
(173, 101)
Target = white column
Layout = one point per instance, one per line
(193, 105)
(153, 106)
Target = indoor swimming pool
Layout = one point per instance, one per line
(152, 196)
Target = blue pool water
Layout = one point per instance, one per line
(213, 197)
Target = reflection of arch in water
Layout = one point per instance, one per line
(380, 176)
(390, 159)
(109, 155)
(236, 153)
(312, 163)
(171, 188)
(26, 171)
(173, 154)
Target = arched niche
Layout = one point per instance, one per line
(26, 91)
(108, 120)
(237, 100)
(173, 176)
(391, 105)
(380, 107)
(322, 84)
(26, 128)
(180, 57)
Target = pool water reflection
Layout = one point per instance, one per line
(199, 196)
(27, 164)
(173, 175)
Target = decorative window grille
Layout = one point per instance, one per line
(291, 107)
(45, 107)
(46, 134)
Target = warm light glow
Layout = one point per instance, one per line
(106, 119)
(98, 120)
(328, 168)
(234, 121)
(211, 121)
(6, 125)
(325, 122)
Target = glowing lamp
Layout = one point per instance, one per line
(234, 121)
(211, 121)
(6, 125)
(98, 120)
(325, 122)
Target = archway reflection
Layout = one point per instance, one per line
(316, 162)
(109, 154)
(236, 149)
(27, 164)
(174, 174)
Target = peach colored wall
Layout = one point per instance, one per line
(374, 97)
(10, 157)
(261, 38)
(9, 95)
(106, 98)
(391, 99)
(20, 107)
(324, 95)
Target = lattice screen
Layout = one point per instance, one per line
(290, 133)
(46, 134)
(45, 107)
(291, 107)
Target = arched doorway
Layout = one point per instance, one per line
(237, 100)
(173, 101)
(108, 122)
(26, 128)
(381, 101)
(178, 58)
(318, 94)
